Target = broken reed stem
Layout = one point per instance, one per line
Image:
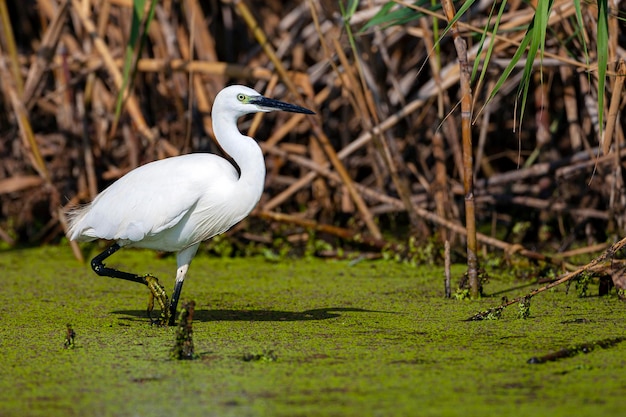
(592, 266)
(183, 348)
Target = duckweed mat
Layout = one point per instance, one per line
(297, 338)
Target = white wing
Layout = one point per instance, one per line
(155, 198)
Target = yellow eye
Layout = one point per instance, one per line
(241, 97)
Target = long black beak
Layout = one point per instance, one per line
(270, 104)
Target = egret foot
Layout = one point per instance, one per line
(157, 291)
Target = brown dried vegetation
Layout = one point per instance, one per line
(380, 161)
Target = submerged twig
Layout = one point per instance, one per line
(575, 350)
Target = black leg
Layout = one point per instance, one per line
(175, 296)
(156, 290)
(101, 269)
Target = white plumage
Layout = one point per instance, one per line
(174, 204)
(169, 204)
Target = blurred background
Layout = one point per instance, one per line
(93, 89)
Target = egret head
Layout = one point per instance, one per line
(240, 100)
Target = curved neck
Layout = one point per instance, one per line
(245, 152)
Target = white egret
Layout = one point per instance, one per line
(174, 204)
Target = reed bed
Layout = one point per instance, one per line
(379, 165)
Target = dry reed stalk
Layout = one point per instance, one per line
(598, 247)
(366, 110)
(480, 162)
(366, 215)
(468, 151)
(440, 192)
(207, 68)
(202, 100)
(297, 185)
(543, 204)
(352, 147)
(11, 47)
(102, 48)
(616, 98)
(45, 54)
(449, 127)
(432, 217)
(28, 137)
(19, 183)
(340, 232)
(401, 101)
(204, 44)
(571, 107)
(88, 158)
